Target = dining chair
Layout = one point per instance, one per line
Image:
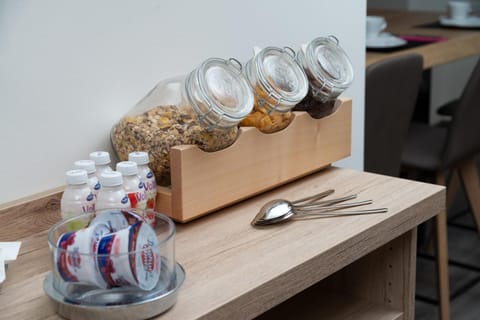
(391, 88)
(451, 148)
(436, 150)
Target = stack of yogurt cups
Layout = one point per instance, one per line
(117, 248)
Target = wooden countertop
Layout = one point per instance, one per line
(461, 43)
(232, 269)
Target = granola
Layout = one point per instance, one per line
(159, 129)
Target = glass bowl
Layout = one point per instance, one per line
(112, 257)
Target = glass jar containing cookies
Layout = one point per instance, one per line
(203, 108)
(329, 73)
(278, 85)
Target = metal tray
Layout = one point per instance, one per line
(117, 304)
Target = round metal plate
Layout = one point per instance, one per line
(111, 307)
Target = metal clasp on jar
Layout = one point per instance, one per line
(237, 65)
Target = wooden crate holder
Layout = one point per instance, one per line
(203, 182)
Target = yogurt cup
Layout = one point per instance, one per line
(75, 255)
(130, 257)
(117, 219)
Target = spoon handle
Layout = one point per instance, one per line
(326, 203)
(315, 197)
(312, 215)
(323, 208)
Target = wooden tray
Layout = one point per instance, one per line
(203, 182)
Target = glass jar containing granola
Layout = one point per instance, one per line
(278, 85)
(202, 108)
(329, 73)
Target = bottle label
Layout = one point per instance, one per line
(97, 186)
(138, 200)
(124, 200)
(86, 206)
(151, 188)
(150, 185)
(151, 195)
(89, 207)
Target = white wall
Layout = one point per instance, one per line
(70, 69)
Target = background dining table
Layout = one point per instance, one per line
(458, 43)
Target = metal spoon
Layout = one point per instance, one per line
(279, 210)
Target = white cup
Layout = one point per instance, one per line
(459, 10)
(375, 25)
(130, 257)
(75, 255)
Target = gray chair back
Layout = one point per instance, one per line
(391, 88)
(464, 132)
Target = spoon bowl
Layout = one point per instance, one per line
(273, 212)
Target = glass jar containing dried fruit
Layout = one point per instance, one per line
(278, 85)
(202, 108)
(329, 73)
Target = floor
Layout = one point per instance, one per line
(464, 267)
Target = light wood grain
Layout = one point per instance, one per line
(29, 216)
(288, 258)
(236, 271)
(462, 43)
(206, 181)
(377, 286)
(38, 197)
(317, 304)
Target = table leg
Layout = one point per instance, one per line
(442, 260)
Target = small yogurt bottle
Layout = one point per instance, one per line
(102, 162)
(148, 179)
(77, 198)
(133, 185)
(89, 166)
(112, 194)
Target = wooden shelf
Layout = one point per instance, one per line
(379, 285)
(203, 182)
(314, 305)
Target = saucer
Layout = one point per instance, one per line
(385, 40)
(467, 22)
